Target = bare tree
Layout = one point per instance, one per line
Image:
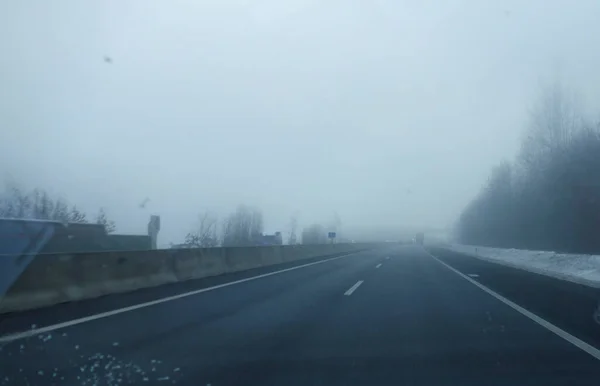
(226, 232)
(205, 233)
(76, 216)
(23, 202)
(554, 121)
(38, 204)
(256, 225)
(243, 227)
(102, 219)
(15, 203)
(7, 209)
(44, 206)
(60, 211)
(292, 240)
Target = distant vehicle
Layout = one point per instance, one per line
(420, 238)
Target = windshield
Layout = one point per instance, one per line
(299, 192)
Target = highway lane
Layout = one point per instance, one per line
(565, 304)
(408, 321)
(15, 322)
(130, 340)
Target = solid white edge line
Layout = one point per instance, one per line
(593, 351)
(353, 288)
(53, 327)
(378, 265)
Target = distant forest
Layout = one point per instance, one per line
(549, 197)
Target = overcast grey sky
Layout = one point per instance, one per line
(390, 112)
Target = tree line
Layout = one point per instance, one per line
(549, 197)
(40, 205)
(244, 227)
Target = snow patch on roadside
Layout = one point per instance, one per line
(582, 269)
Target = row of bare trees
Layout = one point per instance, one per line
(38, 204)
(244, 227)
(549, 198)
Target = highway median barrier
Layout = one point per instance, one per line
(58, 278)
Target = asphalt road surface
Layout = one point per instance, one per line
(394, 316)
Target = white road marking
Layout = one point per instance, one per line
(54, 327)
(593, 351)
(387, 257)
(473, 275)
(378, 265)
(353, 288)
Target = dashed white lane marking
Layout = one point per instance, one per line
(353, 288)
(378, 265)
(473, 275)
(593, 351)
(53, 327)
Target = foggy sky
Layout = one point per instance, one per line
(389, 112)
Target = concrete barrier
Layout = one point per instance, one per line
(196, 263)
(20, 241)
(58, 278)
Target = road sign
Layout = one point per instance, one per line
(331, 235)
